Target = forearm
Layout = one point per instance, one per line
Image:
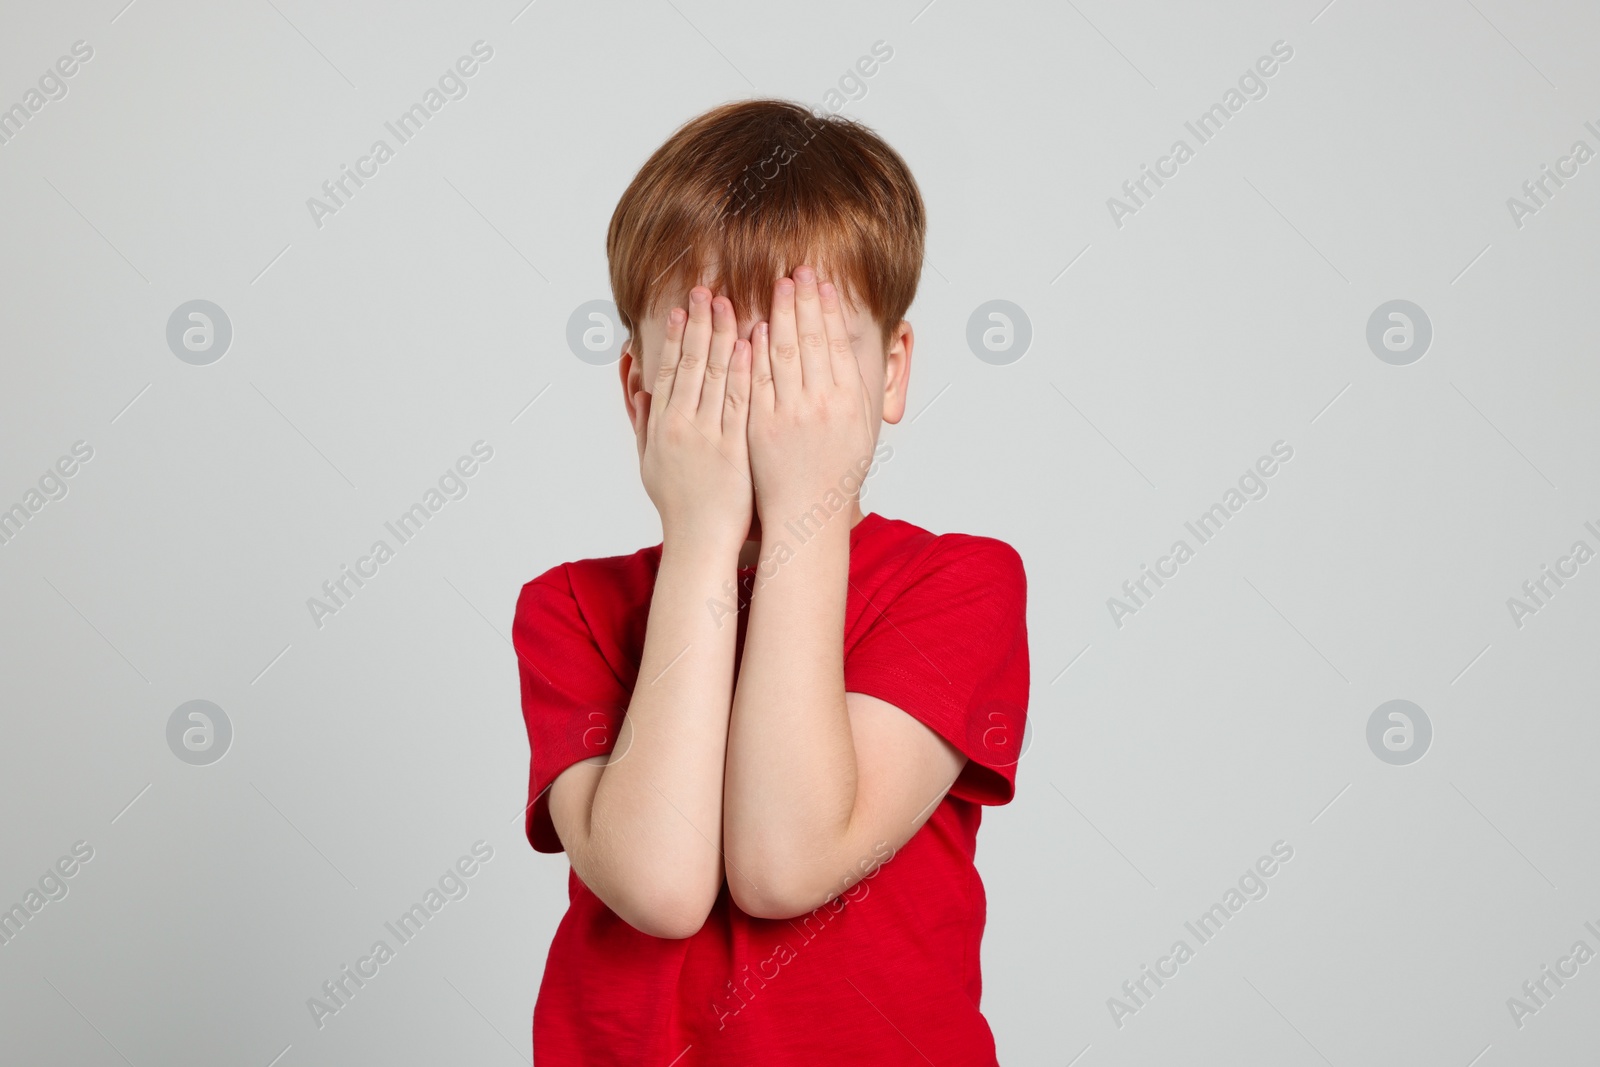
(652, 839)
(790, 786)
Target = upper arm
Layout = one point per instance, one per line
(570, 801)
(951, 651)
(903, 770)
(572, 706)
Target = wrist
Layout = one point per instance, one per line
(806, 548)
(717, 548)
(806, 519)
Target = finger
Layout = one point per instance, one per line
(761, 385)
(724, 332)
(696, 343)
(784, 343)
(736, 399)
(808, 324)
(841, 353)
(671, 350)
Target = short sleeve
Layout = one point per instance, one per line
(572, 701)
(951, 650)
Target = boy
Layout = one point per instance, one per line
(763, 743)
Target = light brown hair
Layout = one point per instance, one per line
(750, 189)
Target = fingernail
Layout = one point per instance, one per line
(675, 316)
(785, 286)
(698, 296)
(826, 289)
(803, 275)
(761, 329)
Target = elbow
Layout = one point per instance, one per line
(761, 905)
(672, 916)
(769, 883)
(669, 925)
(776, 898)
(669, 901)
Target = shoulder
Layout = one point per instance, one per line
(975, 552)
(603, 586)
(952, 556)
(583, 573)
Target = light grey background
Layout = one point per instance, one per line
(1167, 354)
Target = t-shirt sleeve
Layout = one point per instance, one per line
(572, 701)
(951, 649)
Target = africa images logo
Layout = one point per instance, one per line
(1252, 886)
(1252, 85)
(452, 85)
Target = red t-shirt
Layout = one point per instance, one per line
(888, 972)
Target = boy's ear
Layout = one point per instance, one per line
(897, 371)
(631, 371)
